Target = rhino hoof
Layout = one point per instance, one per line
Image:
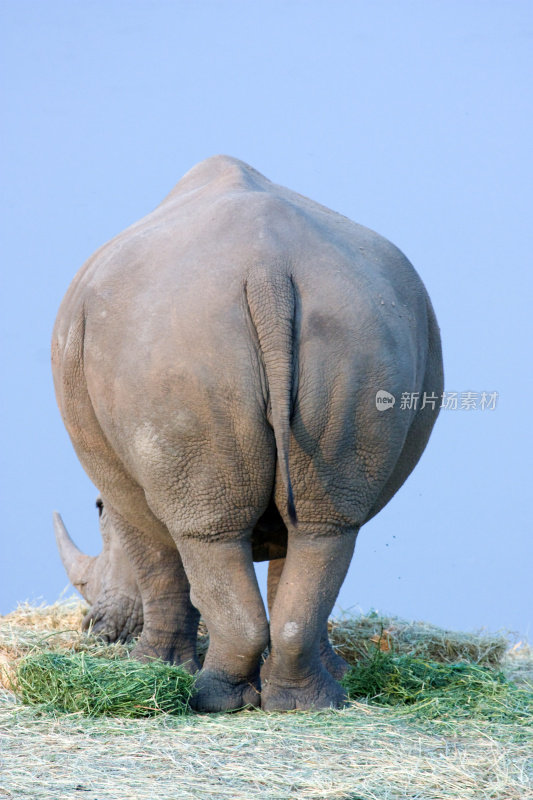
(318, 691)
(215, 691)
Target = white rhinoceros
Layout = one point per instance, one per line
(217, 366)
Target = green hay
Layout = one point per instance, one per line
(96, 686)
(410, 666)
(432, 689)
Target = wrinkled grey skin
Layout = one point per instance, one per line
(216, 367)
(108, 583)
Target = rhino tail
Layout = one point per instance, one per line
(271, 299)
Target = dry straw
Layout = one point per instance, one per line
(354, 636)
(366, 751)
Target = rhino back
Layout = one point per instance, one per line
(172, 365)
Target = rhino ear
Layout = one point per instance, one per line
(80, 567)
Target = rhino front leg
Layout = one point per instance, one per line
(224, 587)
(313, 573)
(170, 621)
(334, 664)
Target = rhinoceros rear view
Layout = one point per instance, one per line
(217, 366)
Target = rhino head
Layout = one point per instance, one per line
(84, 572)
(105, 581)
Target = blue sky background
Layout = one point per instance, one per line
(413, 118)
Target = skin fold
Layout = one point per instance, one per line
(216, 366)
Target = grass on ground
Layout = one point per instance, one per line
(441, 720)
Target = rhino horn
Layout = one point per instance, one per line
(79, 567)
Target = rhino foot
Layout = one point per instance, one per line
(115, 619)
(319, 690)
(216, 691)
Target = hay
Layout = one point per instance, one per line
(365, 751)
(65, 614)
(439, 690)
(518, 664)
(93, 686)
(55, 628)
(362, 752)
(354, 637)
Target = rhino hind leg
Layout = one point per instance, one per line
(297, 677)
(332, 661)
(224, 587)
